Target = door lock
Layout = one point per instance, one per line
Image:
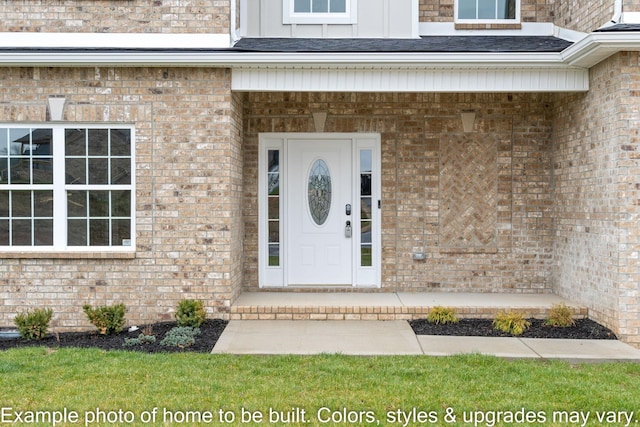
(347, 209)
(347, 230)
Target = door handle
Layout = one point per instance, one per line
(347, 230)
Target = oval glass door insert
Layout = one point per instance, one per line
(319, 191)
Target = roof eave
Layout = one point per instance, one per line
(596, 47)
(585, 53)
(221, 58)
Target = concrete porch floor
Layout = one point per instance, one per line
(388, 306)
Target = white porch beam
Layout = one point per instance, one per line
(411, 80)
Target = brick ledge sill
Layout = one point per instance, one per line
(67, 255)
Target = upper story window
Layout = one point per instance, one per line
(488, 11)
(319, 11)
(65, 187)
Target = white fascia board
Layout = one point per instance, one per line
(394, 60)
(222, 58)
(114, 41)
(596, 47)
(411, 80)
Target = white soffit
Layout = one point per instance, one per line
(492, 79)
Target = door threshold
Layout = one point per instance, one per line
(319, 286)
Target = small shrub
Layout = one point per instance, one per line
(181, 337)
(560, 316)
(33, 325)
(190, 313)
(108, 319)
(141, 340)
(511, 322)
(442, 315)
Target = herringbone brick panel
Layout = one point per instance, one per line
(468, 191)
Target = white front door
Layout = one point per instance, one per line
(319, 210)
(319, 182)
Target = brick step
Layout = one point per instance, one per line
(389, 306)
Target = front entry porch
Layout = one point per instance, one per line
(389, 306)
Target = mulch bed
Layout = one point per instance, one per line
(210, 331)
(583, 329)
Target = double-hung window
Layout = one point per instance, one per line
(319, 11)
(66, 187)
(488, 11)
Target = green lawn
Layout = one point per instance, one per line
(321, 390)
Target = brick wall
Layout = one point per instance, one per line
(414, 128)
(597, 193)
(631, 5)
(442, 10)
(188, 189)
(236, 189)
(585, 16)
(102, 16)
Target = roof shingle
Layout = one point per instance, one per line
(425, 44)
(618, 28)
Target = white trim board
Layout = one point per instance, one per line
(412, 80)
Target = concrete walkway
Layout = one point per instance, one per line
(362, 338)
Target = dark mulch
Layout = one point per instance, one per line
(212, 329)
(583, 329)
(210, 332)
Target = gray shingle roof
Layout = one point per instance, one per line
(619, 27)
(426, 44)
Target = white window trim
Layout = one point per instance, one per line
(289, 16)
(270, 276)
(60, 188)
(487, 21)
